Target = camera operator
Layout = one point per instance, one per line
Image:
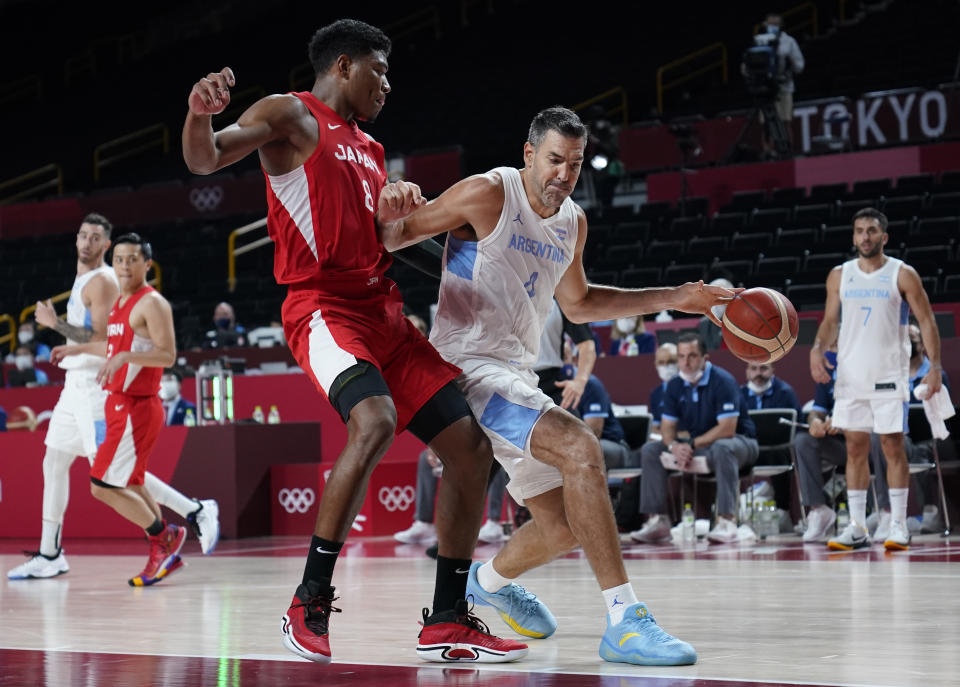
(776, 80)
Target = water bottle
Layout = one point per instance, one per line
(843, 517)
(688, 521)
(258, 414)
(772, 523)
(189, 419)
(273, 417)
(761, 528)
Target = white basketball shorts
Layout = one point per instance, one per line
(77, 425)
(507, 404)
(878, 415)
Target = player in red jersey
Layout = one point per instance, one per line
(343, 322)
(140, 343)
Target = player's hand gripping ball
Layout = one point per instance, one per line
(760, 325)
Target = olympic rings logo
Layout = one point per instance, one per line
(296, 500)
(206, 198)
(396, 498)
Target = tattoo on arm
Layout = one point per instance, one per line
(73, 332)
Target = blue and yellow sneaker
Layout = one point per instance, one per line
(520, 609)
(639, 640)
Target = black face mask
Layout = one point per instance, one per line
(914, 348)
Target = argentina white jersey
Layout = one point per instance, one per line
(79, 316)
(495, 294)
(873, 359)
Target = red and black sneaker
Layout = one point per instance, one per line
(305, 625)
(458, 636)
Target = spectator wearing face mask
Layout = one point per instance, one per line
(764, 390)
(26, 336)
(25, 373)
(629, 336)
(226, 332)
(175, 407)
(666, 361)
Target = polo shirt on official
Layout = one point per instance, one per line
(697, 408)
(779, 395)
(656, 401)
(595, 402)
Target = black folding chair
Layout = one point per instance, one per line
(776, 431)
(636, 428)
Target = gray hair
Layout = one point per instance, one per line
(564, 121)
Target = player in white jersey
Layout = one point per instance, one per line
(870, 299)
(77, 426)
(516, 240)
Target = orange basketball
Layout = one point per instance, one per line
(760, 325)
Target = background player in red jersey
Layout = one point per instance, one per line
(140, 343)
(344, 323)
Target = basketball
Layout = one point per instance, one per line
(760, 325)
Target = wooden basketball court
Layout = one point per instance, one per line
(772, 613)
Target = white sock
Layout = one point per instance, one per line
(489, 579)
(56, 493)
(618, 599)
(857, 500)
(167, 496)
(50, 538)
(898, 504)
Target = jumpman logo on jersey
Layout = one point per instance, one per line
(530, 284)
(517, 219)
(616, 602)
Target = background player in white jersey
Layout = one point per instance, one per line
(872, 390)
(77, 425)
(517, 241)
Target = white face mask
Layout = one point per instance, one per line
(667, 372)
(759, 389)
(23, 362)
(691, 378)
(25, 336)
(627, 324)
(168, 390)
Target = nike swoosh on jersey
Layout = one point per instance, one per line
(334, 126)
(119, 407)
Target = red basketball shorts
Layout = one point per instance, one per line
(133, 425)
(328, 334)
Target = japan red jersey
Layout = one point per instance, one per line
(131, 379)
(321, 215)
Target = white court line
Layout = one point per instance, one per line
(261, 549)
(507, 667)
